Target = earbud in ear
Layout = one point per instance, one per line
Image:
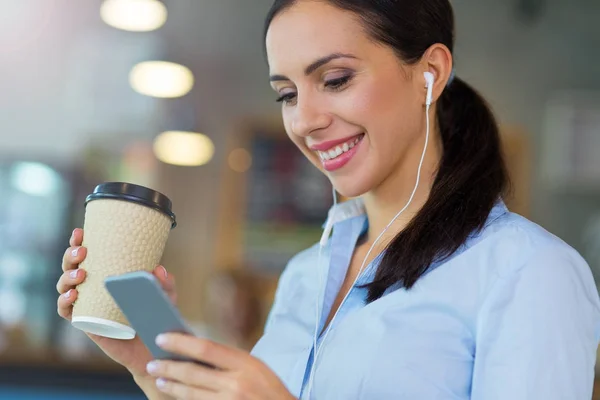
(429, 85)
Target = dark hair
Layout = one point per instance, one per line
(471, 175)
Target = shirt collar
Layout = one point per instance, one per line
(355, 211)
(345, 210)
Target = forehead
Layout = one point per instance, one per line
(312, 29)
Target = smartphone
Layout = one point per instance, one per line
(149, 310)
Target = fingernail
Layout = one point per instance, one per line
(68, 294)
(73, 274)
(164, 271)
(161, 340)
(152, 367)
(161, 383)
(75, 252)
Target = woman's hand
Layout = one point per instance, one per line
(132, 354)
(238, 375)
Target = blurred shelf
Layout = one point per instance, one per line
(60, 377)
(51, 358)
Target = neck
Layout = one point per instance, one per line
(384, 202)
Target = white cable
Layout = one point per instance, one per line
(320, 273)
(317, 351)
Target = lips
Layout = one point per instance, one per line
(339, 149)
(340, 155)
(332, 144)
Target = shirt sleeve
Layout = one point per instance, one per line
(294, 272)
(537, 332)
(262, 348)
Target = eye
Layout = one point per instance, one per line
(287, 98)
(338, 83)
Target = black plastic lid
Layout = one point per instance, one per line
(135, 194)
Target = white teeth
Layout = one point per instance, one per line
(339, 150)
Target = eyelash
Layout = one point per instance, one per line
(338, 83)
(333, 84)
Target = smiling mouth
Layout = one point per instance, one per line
(338, 150)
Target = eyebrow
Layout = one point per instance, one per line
(314, 66)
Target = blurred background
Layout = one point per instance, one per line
(174, 95)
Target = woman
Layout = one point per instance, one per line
(453, 297)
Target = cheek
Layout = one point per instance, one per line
(385, 111)
(370, 104)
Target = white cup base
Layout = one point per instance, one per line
(103, 327)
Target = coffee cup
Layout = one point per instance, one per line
(125, 230)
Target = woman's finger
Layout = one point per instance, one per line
(65, 303)
(207, 351)
(161, 274)
(69, 280)
(167, 281)
(76, 238)
(73, 257)
(180, 391)
(187, 373)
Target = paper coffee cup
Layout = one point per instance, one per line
(125, 230)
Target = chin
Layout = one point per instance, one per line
(350, 181)
(350, 186)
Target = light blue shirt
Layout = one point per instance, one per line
(513, 315)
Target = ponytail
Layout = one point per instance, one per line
(470, 179)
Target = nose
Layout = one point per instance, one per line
(308, 117)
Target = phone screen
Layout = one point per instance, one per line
(149, 311)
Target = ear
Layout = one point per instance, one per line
(437, 60)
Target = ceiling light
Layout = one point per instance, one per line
(161, 79)
(188, 149)
(134, 15)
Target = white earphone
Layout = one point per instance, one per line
(349, 210)
(429, 79)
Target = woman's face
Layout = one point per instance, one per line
(349, 104)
